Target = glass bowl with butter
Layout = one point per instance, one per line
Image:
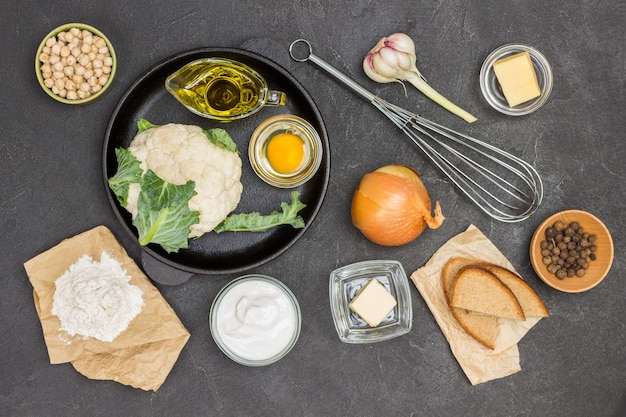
(516, 79)
(370, 301)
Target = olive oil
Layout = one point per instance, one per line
(221, 89)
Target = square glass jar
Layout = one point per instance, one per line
(347, 281)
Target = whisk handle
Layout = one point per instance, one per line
(309, 56)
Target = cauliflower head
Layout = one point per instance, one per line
(179, 153)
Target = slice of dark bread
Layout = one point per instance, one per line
(477, 289)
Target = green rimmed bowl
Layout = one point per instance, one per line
(65, 28)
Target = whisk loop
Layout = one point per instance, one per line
(502, 185)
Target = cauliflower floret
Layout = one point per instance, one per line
(179, 153)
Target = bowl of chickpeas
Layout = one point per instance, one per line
(572, 251)
(75, 63)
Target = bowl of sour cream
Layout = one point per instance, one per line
(255, 320)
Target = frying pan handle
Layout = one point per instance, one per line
(162, 273)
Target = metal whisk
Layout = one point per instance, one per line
(504, 186)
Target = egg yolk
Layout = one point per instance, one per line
(285, 152)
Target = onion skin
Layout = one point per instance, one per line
(391, 206)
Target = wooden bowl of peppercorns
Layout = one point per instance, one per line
(572, 251)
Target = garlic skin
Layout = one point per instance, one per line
(393, 59)
(390, 58)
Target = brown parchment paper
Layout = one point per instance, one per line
(142, 355)
(479, 363)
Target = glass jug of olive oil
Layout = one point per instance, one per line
(222, 89)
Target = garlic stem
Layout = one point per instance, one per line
(419, 83)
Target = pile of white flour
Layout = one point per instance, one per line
(96, 299)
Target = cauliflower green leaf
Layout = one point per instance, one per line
(163, 214)
(220, 137)
(128, 172)
(256, 222)
(143, 124)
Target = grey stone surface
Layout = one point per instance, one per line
(573, 363)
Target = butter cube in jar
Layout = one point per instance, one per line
(373, 303)
(517, 78)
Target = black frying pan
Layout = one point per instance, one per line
(227, 252)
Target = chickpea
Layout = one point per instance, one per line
(83, 59)
(70, 85)
(65, 51)
(60, 83)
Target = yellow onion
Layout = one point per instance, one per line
(391, 206)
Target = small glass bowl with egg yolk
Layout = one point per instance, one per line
(285, 151)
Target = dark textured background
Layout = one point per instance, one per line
(573, 364)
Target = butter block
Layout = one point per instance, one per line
(373, 302)
(517, 78)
